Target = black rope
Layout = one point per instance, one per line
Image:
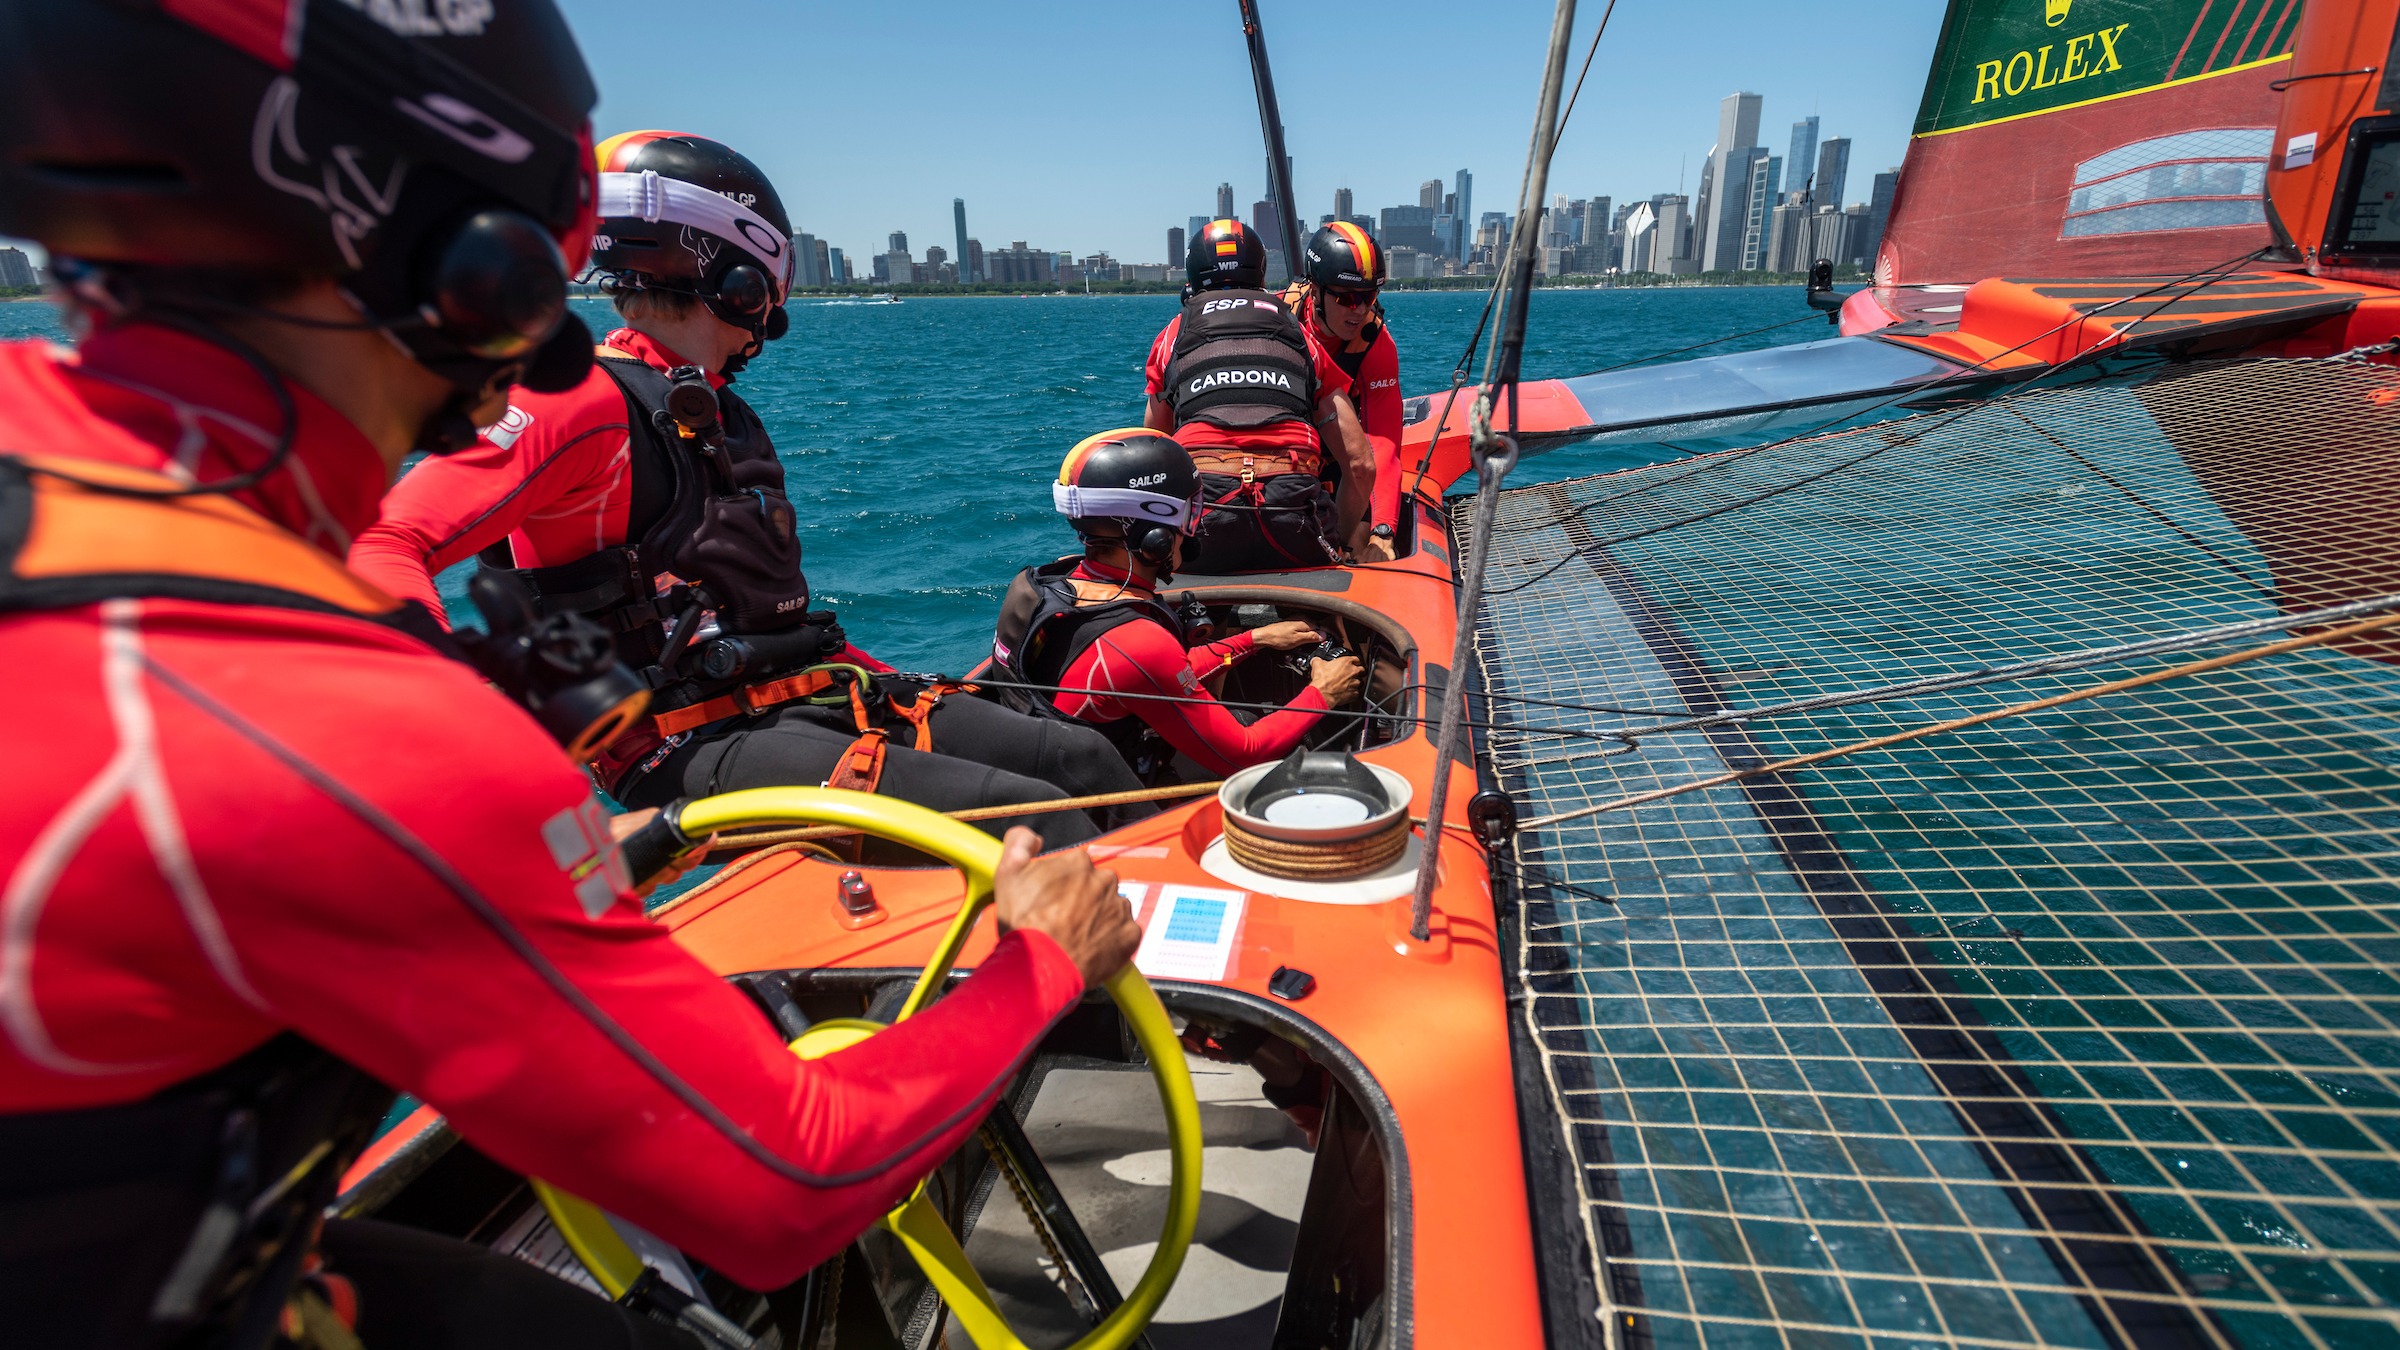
(1936, 424)
(1714, 462)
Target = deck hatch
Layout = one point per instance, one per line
(2080, 1027)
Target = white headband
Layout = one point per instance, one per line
(1078, 503)
(647, 196)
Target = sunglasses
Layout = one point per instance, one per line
(1351, 299)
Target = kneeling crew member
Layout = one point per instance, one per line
(1260, 404)
(603, 504)
(284, 858)
(1342, 273)
(1093, 625)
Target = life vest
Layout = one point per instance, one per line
(183, 1218)
(686, 527)
(1045, 627)
(1240, 362)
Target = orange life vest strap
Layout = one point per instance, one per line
(920, 713)
(64, 544)
(757, 698)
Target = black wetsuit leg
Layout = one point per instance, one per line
(797, 745)
(421, 1291)
(1074, 756)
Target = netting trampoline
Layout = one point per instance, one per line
(2070, 1026)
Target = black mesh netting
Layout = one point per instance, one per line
(2076, 1027)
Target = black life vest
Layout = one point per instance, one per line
(1240, 362)
(132, 1225)
(1044, 627)
(736, 538)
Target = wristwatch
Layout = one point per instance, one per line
(1381, 532)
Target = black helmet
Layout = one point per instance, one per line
(1137, 477)
(1342, 256)
(687, 214)
(433, 157)
(1226, 253)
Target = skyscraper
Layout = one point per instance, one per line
(958, 216)
(1429, 194)
(837, 267)
(1464, 213)
(1833, 170)
(808, 269)
(1727, 178)
(1224, 203)
(1758, 218)
(16, 270)
(1803, 156)
(1175, 246)
(1193, 227)
(1879, 216)
(1341, 204)
(899, 242)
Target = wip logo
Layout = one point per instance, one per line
(1218, 379)
(2054, 12)
(584, 848)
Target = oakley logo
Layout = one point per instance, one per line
(1217, 379)
(469, 127)
(427, 18)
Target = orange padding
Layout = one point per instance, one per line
(749, 699)
(76, 532)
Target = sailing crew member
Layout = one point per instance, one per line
(284, 858)
(1260, 404)
(598, 501)
(1336, 299)
(1092, 626)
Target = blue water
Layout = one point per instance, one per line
(920, 438)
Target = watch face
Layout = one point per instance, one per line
(1383, 531)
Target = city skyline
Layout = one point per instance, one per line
(965, 110)
(860, 148)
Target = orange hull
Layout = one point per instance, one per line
(1427, 1021)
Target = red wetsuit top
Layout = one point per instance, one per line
(185, 881)
(1374, 370)
(554, 477)
(1297, 436)
(1142, 657)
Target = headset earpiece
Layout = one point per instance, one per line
(743, 290)
(498, 285)
(1155, 544)
(779, 322)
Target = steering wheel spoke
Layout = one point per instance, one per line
(916, 1222)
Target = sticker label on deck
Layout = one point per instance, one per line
(1190, 933)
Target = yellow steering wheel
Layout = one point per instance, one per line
(916, 1223)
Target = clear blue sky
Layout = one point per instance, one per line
(1082, 125)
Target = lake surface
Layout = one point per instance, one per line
(920, 438)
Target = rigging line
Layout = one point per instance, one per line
(1565, 733)
(1559, 133)
(2220, 271)
(1938, 423)
(1493, 456)
(2228, 659)
(2264, 592)
(2022, 670)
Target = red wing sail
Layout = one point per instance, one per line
(2090, 138)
